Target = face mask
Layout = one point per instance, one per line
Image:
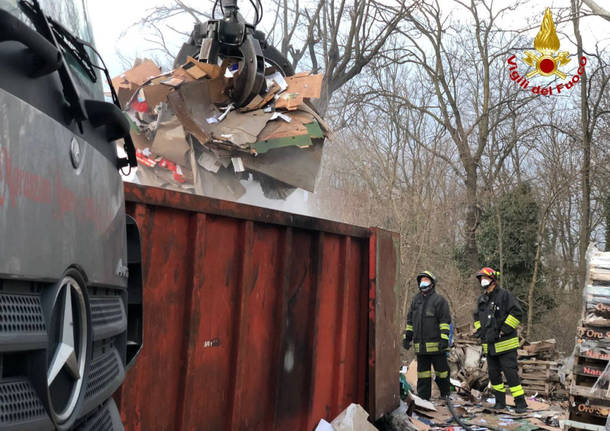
(485, 283)
(424, 284)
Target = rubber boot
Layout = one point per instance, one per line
(520, 404)
(500, 400)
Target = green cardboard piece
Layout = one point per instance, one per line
(313, 129)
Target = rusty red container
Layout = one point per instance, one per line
(257, 319)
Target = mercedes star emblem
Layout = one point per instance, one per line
(67, 349)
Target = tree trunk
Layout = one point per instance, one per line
(500, 241)
(585, 180)
(322, 103)
(471, 250)
(607, 217)
(530, 293)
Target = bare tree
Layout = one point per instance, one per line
(585, 223)
(590, 113)
(445, 52)
(597, 9)
(339, 38)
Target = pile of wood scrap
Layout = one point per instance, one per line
(590, 379)
(538, 365)
(466, 363)
(539, 369)
(190, 137)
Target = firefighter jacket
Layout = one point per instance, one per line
(496, 319)
(428, 323)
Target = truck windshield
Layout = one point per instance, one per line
(72, 14)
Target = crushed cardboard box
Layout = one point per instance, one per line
(186, 118)
(353, 418)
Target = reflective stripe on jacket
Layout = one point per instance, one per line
(428, 322)
(498, 313)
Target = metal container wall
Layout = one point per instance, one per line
(254, 319)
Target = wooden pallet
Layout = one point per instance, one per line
(586, 391)
(592, 353)
(539, 376)
(587, 382)
(599, 274)
(575, 425)
(586, 418)
(596, 359)
(589, 368)
(590, 406)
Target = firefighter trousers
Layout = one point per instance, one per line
(505, 363)
(424, 374)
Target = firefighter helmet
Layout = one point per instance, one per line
(488, 272)
(426, 274)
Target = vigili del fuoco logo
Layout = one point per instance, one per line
(546, 61)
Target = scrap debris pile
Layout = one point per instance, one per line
(416, 414)
(538, 365)
(589, 388)
(473, 400)
(190, 137)
(466, 362)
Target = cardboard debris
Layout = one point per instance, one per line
(169, 142)
(422, 404)
(420, 425)
(324, 426)
(188, 110)
(300, 86)
(240, 129)
(293, 166)
(496, 422)
(541, 425)
(128, 82)
(197, 69)
(162, 177)
(156, 94)
(179, 107)
(353, 418)
(259, 102)
(221, 184)
(142, 72)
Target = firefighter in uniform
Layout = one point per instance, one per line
(495, 321)
(427, 328)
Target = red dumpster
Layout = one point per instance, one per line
(256, 319)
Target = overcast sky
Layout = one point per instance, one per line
(112, 19)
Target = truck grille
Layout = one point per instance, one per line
(19, 403)
(108, 316)
(105, 374)
(100, 422)
(105, 419)
(21, 314)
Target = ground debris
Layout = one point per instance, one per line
(472, 399)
